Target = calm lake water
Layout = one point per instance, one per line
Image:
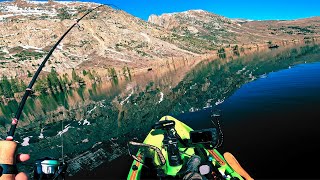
(269, 121)
(271, 124)
(268, 103)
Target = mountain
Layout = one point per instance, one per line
(212, 29)
(106, 38)
(111, 38)
(217, 30)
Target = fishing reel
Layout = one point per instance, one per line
(49, 168)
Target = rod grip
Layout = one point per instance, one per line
(7, 156)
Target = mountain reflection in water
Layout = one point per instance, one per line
(97, 122)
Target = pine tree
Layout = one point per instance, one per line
(74, 75)
(14, 85)
(53, 80)
(1, 90)
(29, 73)
(91, 77)
(66, 79)
(84, 72)
(41, 85)
(6, 87)
(112, 72)
(22, 86)
(76, 78)
(124, 71)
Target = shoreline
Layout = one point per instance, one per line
(169, 62)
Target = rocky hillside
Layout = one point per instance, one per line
(113, 38)
(106, 38)
(213, 30)
(285, 30)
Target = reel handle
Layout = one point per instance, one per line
(8, 169)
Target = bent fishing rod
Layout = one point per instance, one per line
(8, 148)
(28, 91)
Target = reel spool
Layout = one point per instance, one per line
(49, 168)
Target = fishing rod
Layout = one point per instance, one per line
(28, 91)
(8, 147)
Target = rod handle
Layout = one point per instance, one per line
(8, 157)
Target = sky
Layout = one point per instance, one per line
(247, 9)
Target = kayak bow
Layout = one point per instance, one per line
(148, 164)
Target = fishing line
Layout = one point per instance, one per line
(220, 140)
(62, 124)
(220, 134)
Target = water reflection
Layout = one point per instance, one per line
(214, 81)
(97, 121)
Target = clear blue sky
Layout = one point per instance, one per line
(249, 9)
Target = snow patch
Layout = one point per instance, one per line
(239, 71)
(192, 109)
(90, 111)
(251, 76)
(31, 47)
(2, 17)
(67, 127)
(101, 104)
(26, 141)
(127, 98)
(161, 97)
(85, 140)
(41, 134)
(96, 144)
(86, 122)
(38, 2)
(199, 10)
(263, 76)
(219, 102)
(208, 105)
(16, 11)
(123, 60)
(5, 51)
(60, 46)
(193, 86)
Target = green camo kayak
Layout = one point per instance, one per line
(167, 149)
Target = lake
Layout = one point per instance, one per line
(266, 100)
(268, 105)
(271, 124)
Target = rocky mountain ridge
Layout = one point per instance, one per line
(113, 38)
(219, 30)
(106, 38)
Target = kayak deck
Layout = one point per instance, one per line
(151, 159)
